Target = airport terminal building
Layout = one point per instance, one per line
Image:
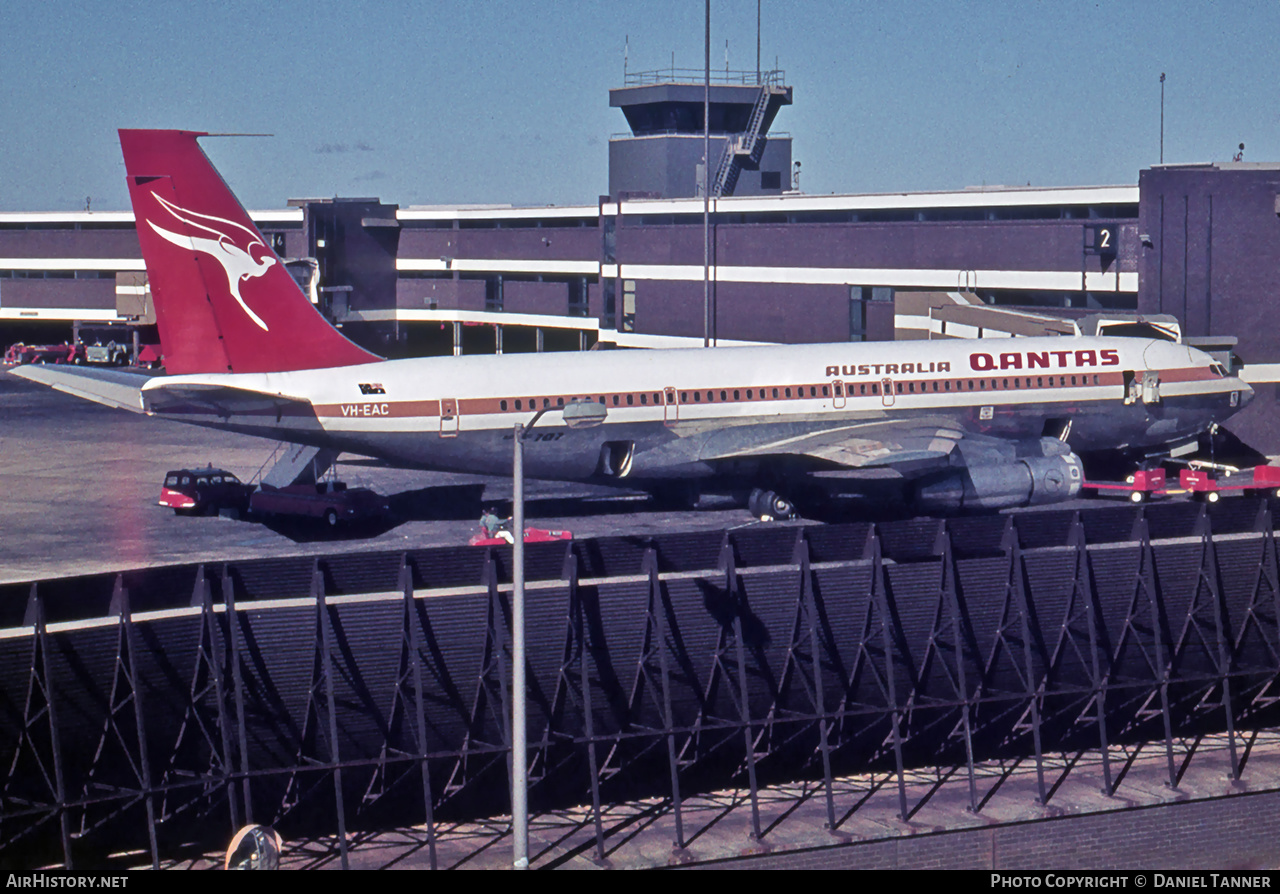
(1199, 242)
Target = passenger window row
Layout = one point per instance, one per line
(1018, 383)
(839, 389)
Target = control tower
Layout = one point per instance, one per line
(662, 156)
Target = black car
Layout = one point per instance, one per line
(201, 491)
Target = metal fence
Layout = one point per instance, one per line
(157, 710)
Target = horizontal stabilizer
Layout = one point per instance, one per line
(103, 386)
(204, 399)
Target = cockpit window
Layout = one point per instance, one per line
(1218, 370)
(1138, 330)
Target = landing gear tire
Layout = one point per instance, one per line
(768, 505)
(780, 507)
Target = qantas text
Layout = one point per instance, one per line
(1041, 359)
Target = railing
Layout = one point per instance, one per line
(752, 135)
(625, 135)
(673, 75)
(280, 448)
(726, 170)
(746, 145)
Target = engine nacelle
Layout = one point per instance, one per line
(997, 482)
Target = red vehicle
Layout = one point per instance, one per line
(149, 357)
(531, 535)
(1142, 485)
(1203, 486)
(200, 491)
(20, 353)
(332, 501)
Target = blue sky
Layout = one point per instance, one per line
(445, 102)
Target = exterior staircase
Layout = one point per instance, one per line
(743, 146)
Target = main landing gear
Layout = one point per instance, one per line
(768, 505)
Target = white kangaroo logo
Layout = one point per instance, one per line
(238, 263)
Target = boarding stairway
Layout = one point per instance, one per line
(295, 464)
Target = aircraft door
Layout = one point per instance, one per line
(1132, 388)
(670, 409)
(837, 390)
(449, 414)
(1150, 386)
(886, 392)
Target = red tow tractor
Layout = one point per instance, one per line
(1200, 483)
(531, 535)
(1141, 486)
(1260, 480)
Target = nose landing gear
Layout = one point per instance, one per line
(768, 505)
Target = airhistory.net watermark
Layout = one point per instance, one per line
(58, 880)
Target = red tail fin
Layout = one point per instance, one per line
(224, 301)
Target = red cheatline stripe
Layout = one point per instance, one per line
(851, 390)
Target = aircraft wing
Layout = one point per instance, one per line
(910, 447)
(111, 387)
(953, 468)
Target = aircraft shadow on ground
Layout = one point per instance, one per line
(315, 530)
(448, 503)
(464, 502)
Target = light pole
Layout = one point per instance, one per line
(519, 729)
(706, 186)
(1162, 117)
(581, 413)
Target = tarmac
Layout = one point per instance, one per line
(79, 485)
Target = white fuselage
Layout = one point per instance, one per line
(453, 412)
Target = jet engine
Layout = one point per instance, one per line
(996, 476)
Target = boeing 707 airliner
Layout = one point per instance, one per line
(964, 423)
